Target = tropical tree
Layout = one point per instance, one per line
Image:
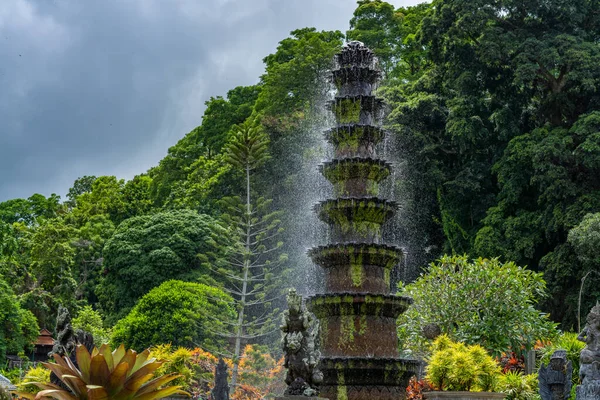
(148, 250)
(252, 273)
(482, 301)
(18, 327)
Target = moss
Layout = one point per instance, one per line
(372, 188)
(324, 324)
(387, 272)
(342, 391)
(356, 268)
(347, 331)
(363, 321)
(364, 217)
(347, 111)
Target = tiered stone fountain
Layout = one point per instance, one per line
(357, 313)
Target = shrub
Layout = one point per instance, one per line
(37, 374)
(175, 360)
(181, 313)
(459, 367)
(517, 386)
(481, 301)
(90, 321)
(567, 341)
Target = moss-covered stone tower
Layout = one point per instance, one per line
(357, 313)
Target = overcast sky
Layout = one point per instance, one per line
(105, 87)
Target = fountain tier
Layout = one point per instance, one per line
(356, 219)
(356, 176)
(357, 267)
(354, 140)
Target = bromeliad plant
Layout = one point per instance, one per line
(116, 375)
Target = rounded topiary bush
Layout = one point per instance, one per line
(181, 313)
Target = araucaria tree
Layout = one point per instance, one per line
(256, 261)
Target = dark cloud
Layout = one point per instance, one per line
(105, 87)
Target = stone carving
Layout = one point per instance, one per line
(221, 389)
(67, 338)
(555, 378)
(431, 331)
(589, 359)
(300, 342)
(65, 342)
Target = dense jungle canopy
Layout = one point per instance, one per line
(494, 111)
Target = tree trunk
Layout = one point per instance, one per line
(240, 327)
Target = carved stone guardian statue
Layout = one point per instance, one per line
(221, 389)
(555, 378)
(589, 359)
(300, 342)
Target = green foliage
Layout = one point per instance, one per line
(517, 386)
(481, 301)
(566, 341)
(459, 367)
(176, 361)
(181, 313)
(116, 375)
(148, 250)
(90, 321)
(104, 198)
(499, 134)
(248, 147)
(293, 78)
(255, 265)
(222, 114)
(18, 327)
(80, 186)
(377, 24)
(193, 174)
(34, 374)
(28, 211)
(585, 240)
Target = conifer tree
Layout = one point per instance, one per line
(256, 261)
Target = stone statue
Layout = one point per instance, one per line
(589, 359)
(555, 378)
(221, 389)
(65, 342)
(67, 338)
(300, 342)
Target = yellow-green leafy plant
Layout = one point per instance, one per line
(566, 341)
(176, 360)
(517, 386)
(458, 367)
(117, 375)
(37, 374)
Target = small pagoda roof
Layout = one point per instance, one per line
(45, 338)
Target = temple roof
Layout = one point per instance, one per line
(45, 338)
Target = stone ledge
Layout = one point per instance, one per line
(290, 397)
